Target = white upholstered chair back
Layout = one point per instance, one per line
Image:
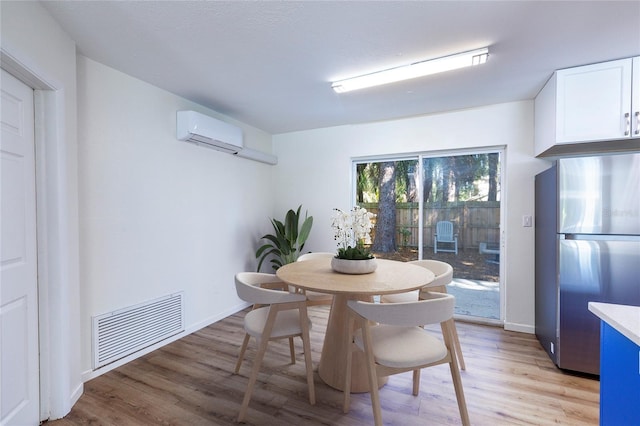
(316, 255)
(443, 272)
(405, 314)
(248, 289)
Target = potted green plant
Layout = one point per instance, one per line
(286, 244)
(352, 232)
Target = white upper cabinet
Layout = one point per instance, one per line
(593, 103)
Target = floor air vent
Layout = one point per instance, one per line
(125, 331)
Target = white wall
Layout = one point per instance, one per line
(158, 215)
(38, 51)
(315, 170)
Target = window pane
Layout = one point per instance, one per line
(390, 190)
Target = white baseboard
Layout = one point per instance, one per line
(522, 328)
(92, 374)
(77, 393)
(221, 315)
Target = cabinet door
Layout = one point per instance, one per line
(619, 378)
(635, 101)
(592, 102)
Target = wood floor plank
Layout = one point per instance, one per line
(509, 380)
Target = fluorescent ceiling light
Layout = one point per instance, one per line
(417, 69)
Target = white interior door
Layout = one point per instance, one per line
(18, 256)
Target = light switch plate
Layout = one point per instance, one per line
(527, 221)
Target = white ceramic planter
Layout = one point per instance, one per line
(354, 267)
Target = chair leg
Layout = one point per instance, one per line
(456, 342)
(373, 376)
(306, 347)
(416, 382)
(292, 351)
(262, 348)
(243, 349)
(457, 384)
(252, 379)
(455, 371)
(375, 399)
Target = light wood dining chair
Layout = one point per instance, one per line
(398, 343)
(315, 298)
(443, 276)
(276, 314)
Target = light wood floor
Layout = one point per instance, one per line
(509, 381)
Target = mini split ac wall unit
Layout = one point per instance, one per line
(210, 132)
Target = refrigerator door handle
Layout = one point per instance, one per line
(598, 237)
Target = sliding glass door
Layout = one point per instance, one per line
(443, 207)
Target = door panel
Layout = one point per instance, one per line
(599, 195)
(592, 271)
(18, 262)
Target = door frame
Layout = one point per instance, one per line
(55, 260)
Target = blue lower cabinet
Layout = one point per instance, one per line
(619, 378)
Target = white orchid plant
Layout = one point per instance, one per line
(352, 231)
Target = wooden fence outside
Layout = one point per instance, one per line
(475, 222)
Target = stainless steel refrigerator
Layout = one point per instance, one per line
(587, 236)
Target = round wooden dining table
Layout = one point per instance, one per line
(316, 275)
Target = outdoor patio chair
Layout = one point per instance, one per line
(315, 298)
(393, 341)
(276, 314)
(444, 234)
(443, 276)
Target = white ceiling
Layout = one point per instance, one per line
(270, 64)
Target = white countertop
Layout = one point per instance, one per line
(623, 318)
